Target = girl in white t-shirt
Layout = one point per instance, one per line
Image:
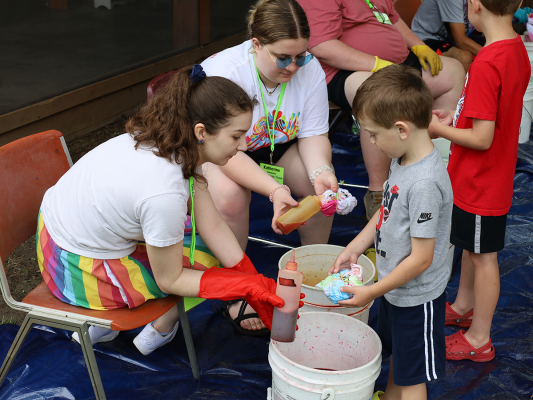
(136, 187)
(275, 68)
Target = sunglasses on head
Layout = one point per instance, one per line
(284, 62)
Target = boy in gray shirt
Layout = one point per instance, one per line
(411, 231)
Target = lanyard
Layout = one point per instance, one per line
(382, 18)
(271, 131)
(193, 223)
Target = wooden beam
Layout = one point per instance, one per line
(39, 111)
(205, 22)
(87, 115)
(186, 23)
(58, 4)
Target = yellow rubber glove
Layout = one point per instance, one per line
(425, 54)
(380, 64)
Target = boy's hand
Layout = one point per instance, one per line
(343, 261)
(443, 116)
(438, 118)
(362, 295)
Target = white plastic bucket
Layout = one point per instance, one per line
(314, 261)
(443, 145)
(359, 313)
(449, 257)
(347, 352)
(527, 113)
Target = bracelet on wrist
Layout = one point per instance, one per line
(271, 196)
(318, 171)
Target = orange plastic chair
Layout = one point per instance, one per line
(158, 82)
(28, 167)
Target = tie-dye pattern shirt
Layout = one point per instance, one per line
(304, 108)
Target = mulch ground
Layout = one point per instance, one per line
(21, 266)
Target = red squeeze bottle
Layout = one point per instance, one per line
(289, 288)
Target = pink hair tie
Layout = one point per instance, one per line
(271, 196)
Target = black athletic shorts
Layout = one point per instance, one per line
(477, 233)
(336, 92)
(415, 338)
(442, 45)
(263, 154)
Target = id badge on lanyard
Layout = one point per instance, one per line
(382, 18)
(271, 169)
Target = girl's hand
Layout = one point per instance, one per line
(326, 181)
(343, 261)
(362, 295)
(283, 202)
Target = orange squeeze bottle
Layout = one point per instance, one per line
(289, 288)
(296, 216)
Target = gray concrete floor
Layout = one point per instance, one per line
(45, 52)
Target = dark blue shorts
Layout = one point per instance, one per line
(414, 336)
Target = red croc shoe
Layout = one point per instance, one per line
(452, 318)
(458, 348)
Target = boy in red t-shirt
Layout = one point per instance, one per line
(482, 164)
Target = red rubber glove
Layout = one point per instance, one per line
(257, 290)
(245, 265)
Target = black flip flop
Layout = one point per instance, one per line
(241, 317)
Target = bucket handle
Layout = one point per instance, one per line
(328, 394)
(530, 117)
(524, 107)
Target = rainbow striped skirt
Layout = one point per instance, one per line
(107, 284)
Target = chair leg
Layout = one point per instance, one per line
(71, 325)
(335, 119)
(184, 319)
(90, 361)
(22, 333)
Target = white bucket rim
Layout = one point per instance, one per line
(361, 310)
(334, 246)
(274, 346)
(283, 376)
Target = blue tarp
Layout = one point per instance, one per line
(51, 366)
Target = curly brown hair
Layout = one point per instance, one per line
(167, 122)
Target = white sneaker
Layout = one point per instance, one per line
(98, 335)
(150, 339)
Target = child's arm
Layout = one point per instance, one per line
(356, 247)
(478, 138)
(417, 262)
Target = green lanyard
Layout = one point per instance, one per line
(271, 131)
(193, 223)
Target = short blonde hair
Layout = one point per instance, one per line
(394, 93)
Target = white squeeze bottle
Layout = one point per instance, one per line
(289, 288)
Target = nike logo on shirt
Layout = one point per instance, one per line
(424, 217)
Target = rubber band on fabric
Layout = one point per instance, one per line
(193, 223)
(271, 133)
